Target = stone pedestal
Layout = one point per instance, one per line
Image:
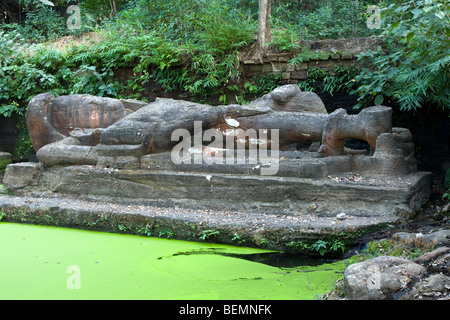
(303, 185)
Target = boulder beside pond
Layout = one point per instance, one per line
(392, 278)
(380, 277)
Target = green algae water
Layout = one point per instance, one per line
(40, 262)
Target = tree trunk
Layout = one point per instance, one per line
(112, 4)
(264, 33)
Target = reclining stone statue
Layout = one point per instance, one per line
(82, 129)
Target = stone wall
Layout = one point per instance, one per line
(324, 54)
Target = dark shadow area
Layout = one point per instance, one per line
(274, 259)
(282, 259)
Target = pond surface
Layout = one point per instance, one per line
(40, 262)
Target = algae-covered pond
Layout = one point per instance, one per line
(40, 262)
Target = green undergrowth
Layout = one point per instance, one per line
(4, 163)
(191, 49)
(334, 245)
(392, 247)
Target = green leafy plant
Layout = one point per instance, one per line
(266, 83)
(315, 74)
(123, 227)
(322, 19)
(144, 230)
(341, 79)
(412, 69)
(285, 39)
(89, 80)
(297, 245)
(206, 234)
(166, 233)
(8, 110)
(333, 245)
(42, 21)
(238, 239)
(264, 242)
(23, 74)
(319, 246)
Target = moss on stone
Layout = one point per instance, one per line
(4, 163)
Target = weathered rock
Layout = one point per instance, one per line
(406, 238)
(379, 278)
(272, 232)
(238, 188)
(150, 129)
(157, 129)
(434, 286)
(397, 150)
(67, 151)
(51, 119)
(435, 283)
(430, 240)
(132, 104)
(39, 121)
(341, 216)
(437, 260)
(291, 99)
(87, 137)
(292, 126)
(438, 238)
(20, 175)
(85, 111)
(332, 130)
(306, 101)
(368, 125)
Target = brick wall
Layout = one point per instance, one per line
(325, 54)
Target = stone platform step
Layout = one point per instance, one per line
(349, 193)
(277, 232)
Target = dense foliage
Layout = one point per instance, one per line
(413, 69)
(156, 38)
(193, 47)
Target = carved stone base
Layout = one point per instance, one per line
(303, 185)
(308, 200)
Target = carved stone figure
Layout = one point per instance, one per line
(291, 98)
(51, 119)
(121, 151)
(83, 129)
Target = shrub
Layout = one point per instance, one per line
(42, 23)
(412, 69)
